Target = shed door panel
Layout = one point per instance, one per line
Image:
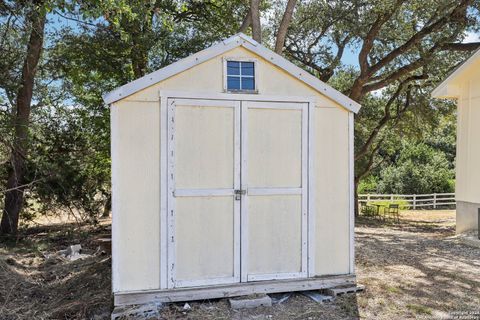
(204, 146)
(274, 149)
(204, 232)
(274, 175)
(274, 232)
(204, 171)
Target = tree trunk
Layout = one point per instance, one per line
(108, 207)
(14, 196)
(139, 50)
(139, 63)
(356, 92)
(256, 26)
(282, 29)
(246, 22)
(355, 192)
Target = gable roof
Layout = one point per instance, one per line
(238, 40)
(442, 91)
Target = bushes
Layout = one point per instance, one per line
(419, 169)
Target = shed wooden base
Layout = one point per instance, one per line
(232, 290)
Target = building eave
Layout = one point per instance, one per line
(446, 89)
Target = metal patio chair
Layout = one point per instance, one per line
(393, 211)
(366, 210)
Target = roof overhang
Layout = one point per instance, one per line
(235, 41)
(448, 89)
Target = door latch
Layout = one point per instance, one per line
(239, 193)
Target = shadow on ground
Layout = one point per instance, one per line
(411, 269)
(415, 268)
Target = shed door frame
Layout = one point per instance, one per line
(165, 96)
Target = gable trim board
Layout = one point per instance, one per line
(238, 40)
(445, 89)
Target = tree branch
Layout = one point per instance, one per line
(470, 46)
(398, 74)
(79, 20)
(255, 15)
(330, 69)
(23, 186)
(386, 117)
(460, 9)
(282, 29)
(247, 21)
(371, 158)
(370, 38)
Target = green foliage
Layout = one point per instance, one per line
(106, 44)
(417, 159)
(70, 161)
(420, 169)
(392, 81)
(368, 185)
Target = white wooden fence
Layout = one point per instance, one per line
(414, 201)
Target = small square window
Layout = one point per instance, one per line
(240, 76)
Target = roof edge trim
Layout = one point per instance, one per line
(228, 44)
(437, 92)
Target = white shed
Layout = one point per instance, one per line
(464, 85)
(232, 174)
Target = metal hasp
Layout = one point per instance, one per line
(239, 193)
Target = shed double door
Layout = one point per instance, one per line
(237, 191)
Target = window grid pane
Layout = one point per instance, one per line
(240, 75)
(233, 83)
(247, 68)
(248, 83)
(233, 68)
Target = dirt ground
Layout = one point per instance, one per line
(415, 269)
(37, 283)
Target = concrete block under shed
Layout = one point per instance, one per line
(252, 301)
(343, 290)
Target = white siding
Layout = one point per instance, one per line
(136, 190)
(468, 146)
(332, 191)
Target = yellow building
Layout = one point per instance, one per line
(232, 174)
(464, 86)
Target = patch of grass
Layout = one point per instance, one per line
(418, 309)
(349, 305)
(402, 204)
(42, 246)
(393, 289)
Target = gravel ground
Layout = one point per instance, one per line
(416, 269)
